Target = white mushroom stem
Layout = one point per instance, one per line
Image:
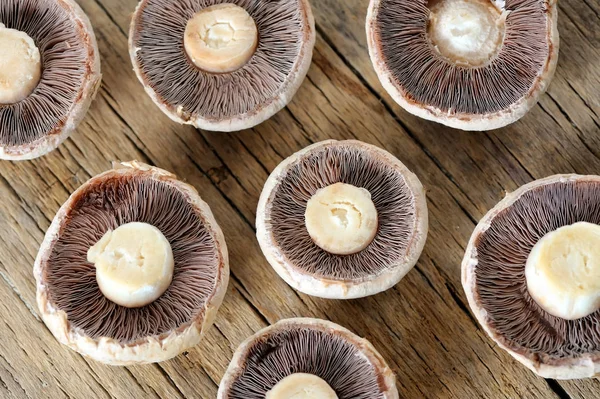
(341, 219)
(563, 271)
(301, 386)
(20, 65)
(467, 32)
(134, 264)
(221, 38)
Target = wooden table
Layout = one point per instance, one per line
(423, 326)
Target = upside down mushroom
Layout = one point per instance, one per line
(468, 64)
(531, 273)
(133, 267)
(342, 219)
(307, 359)
(222, 65)
(49, 74)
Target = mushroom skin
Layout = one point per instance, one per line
(250, 117)
(386, 379)
(582, 365)
(450, 117)
(89, 86)
(151, 348)
(335, 288)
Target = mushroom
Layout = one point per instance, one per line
(222, 66)
(468, 64)
(307, 359)
(133, 267)
(49, 74)
(531, 274)
(342, 219)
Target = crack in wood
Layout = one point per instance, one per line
(136, 381)
(246, 295)
(13, 376)
(558, 389)
(578, 131)
(109, 15)
(592, 8)
(582, 100)
(168, 378)
(95, 377)
(577, 27)
(16, 291)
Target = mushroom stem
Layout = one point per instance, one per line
(467, 32)
(134, 264)
(20, 65)
(221, 38)
(302, 386)
(563, 271)
(341, 219)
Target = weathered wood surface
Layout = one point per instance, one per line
(422, 326)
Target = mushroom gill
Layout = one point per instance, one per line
(500, 282)
(360, 167)
(191, 93)
(63, 46)
(107, 204)
(300, 349)
(429, 79)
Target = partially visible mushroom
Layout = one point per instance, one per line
(469, 64)
(49, 74)
(342, 219)
(531, 274)
(221, 65)
(314, 359)
(142, 238)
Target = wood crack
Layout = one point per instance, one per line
(457, 299)
(22, 203)
(429, 283)
(95, 376)
(263, 167)
(300, 125)
(136, 380)
(225, 197)
(169, 379)
(142, 152)
(592, 8)
(16, 291)
(517, 160)
(583, 34)
(582, 100)
(103, 8)
(558, 389)
(13, 376)
(246, 295)
(578, 131)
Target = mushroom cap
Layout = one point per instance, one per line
(262, 110)
(569, 366)
(145, 349)
(464, 121)
(333, 287)
(386, 379)
(86, 91)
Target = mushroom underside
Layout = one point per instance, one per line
(427, 78)
(190, 92)
(64, 56)
(500, 282)
(325, 354)
(106, 204)
(320, 168)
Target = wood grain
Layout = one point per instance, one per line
(422, 326)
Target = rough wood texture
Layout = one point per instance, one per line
(422, 326)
